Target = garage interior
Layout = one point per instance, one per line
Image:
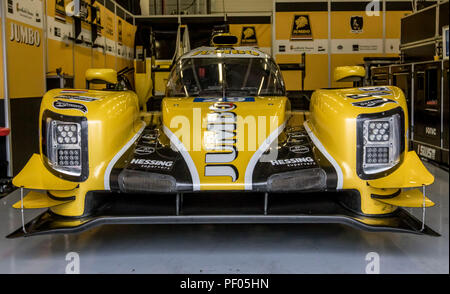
(399, 43)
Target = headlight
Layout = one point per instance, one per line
(380, 143)
(64, 145)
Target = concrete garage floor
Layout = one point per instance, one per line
(230, 249)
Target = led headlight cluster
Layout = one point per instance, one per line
(379, 131)
(67, 133)
(377, 155)
(66, 148)
(380, 142)
(69, 157)
(65, 145)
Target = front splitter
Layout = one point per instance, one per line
(400, 221)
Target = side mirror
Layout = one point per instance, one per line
(101, 76)
(349, 73)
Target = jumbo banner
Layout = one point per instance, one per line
(301, 28)
(248, 36)
(25, 50)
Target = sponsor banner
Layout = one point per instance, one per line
(318, 46)
(248, 36)
(338, 46)
(301, 28)
(25, 11)
(24, 35)
(57, 30)
(110, 47)
(356, 24)
(355, 46)
(60, 11)
(392, 46)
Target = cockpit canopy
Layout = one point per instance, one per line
(224, 75)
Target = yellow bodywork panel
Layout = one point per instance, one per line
(412, 173)
(199, 141)
(107, 75)
(36, 176)
(143, 80)
(161, 77)
(409, 198)
(36, 199)
(349, 73)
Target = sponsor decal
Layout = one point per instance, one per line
(367, 47)
(368, 95)
(356, 24)
(24, 11)
(226, 99)
(366, 89)
(119, 26)
(98, 20)
(373, 102)
(28, 12)
(282, 48)
(426, 152)
(301, 28)
(73, 91)
(220, 141)
(24, 35)
(69, 105)
(299, 149)
(153, 163)
(60, 11)
(150, 136)
(431, 131)
(10, 6)
(76, 97)
(144, 150)
(297, 134)
(291, 162)
(226, 51)
(248, 36)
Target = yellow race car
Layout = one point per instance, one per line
(225, 148)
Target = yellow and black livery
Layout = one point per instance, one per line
(225, 148)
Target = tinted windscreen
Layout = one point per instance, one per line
(225, 77)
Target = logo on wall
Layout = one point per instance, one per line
(356, 24)
(25, 35)
(119, 28)
(60, 11)
(248, 36)
(10, 6)
(301, 28)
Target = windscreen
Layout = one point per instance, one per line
(225, 77)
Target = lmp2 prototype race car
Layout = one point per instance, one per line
(224, 148)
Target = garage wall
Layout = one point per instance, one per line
(116, 36)
(333, 41)
(30, 61)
